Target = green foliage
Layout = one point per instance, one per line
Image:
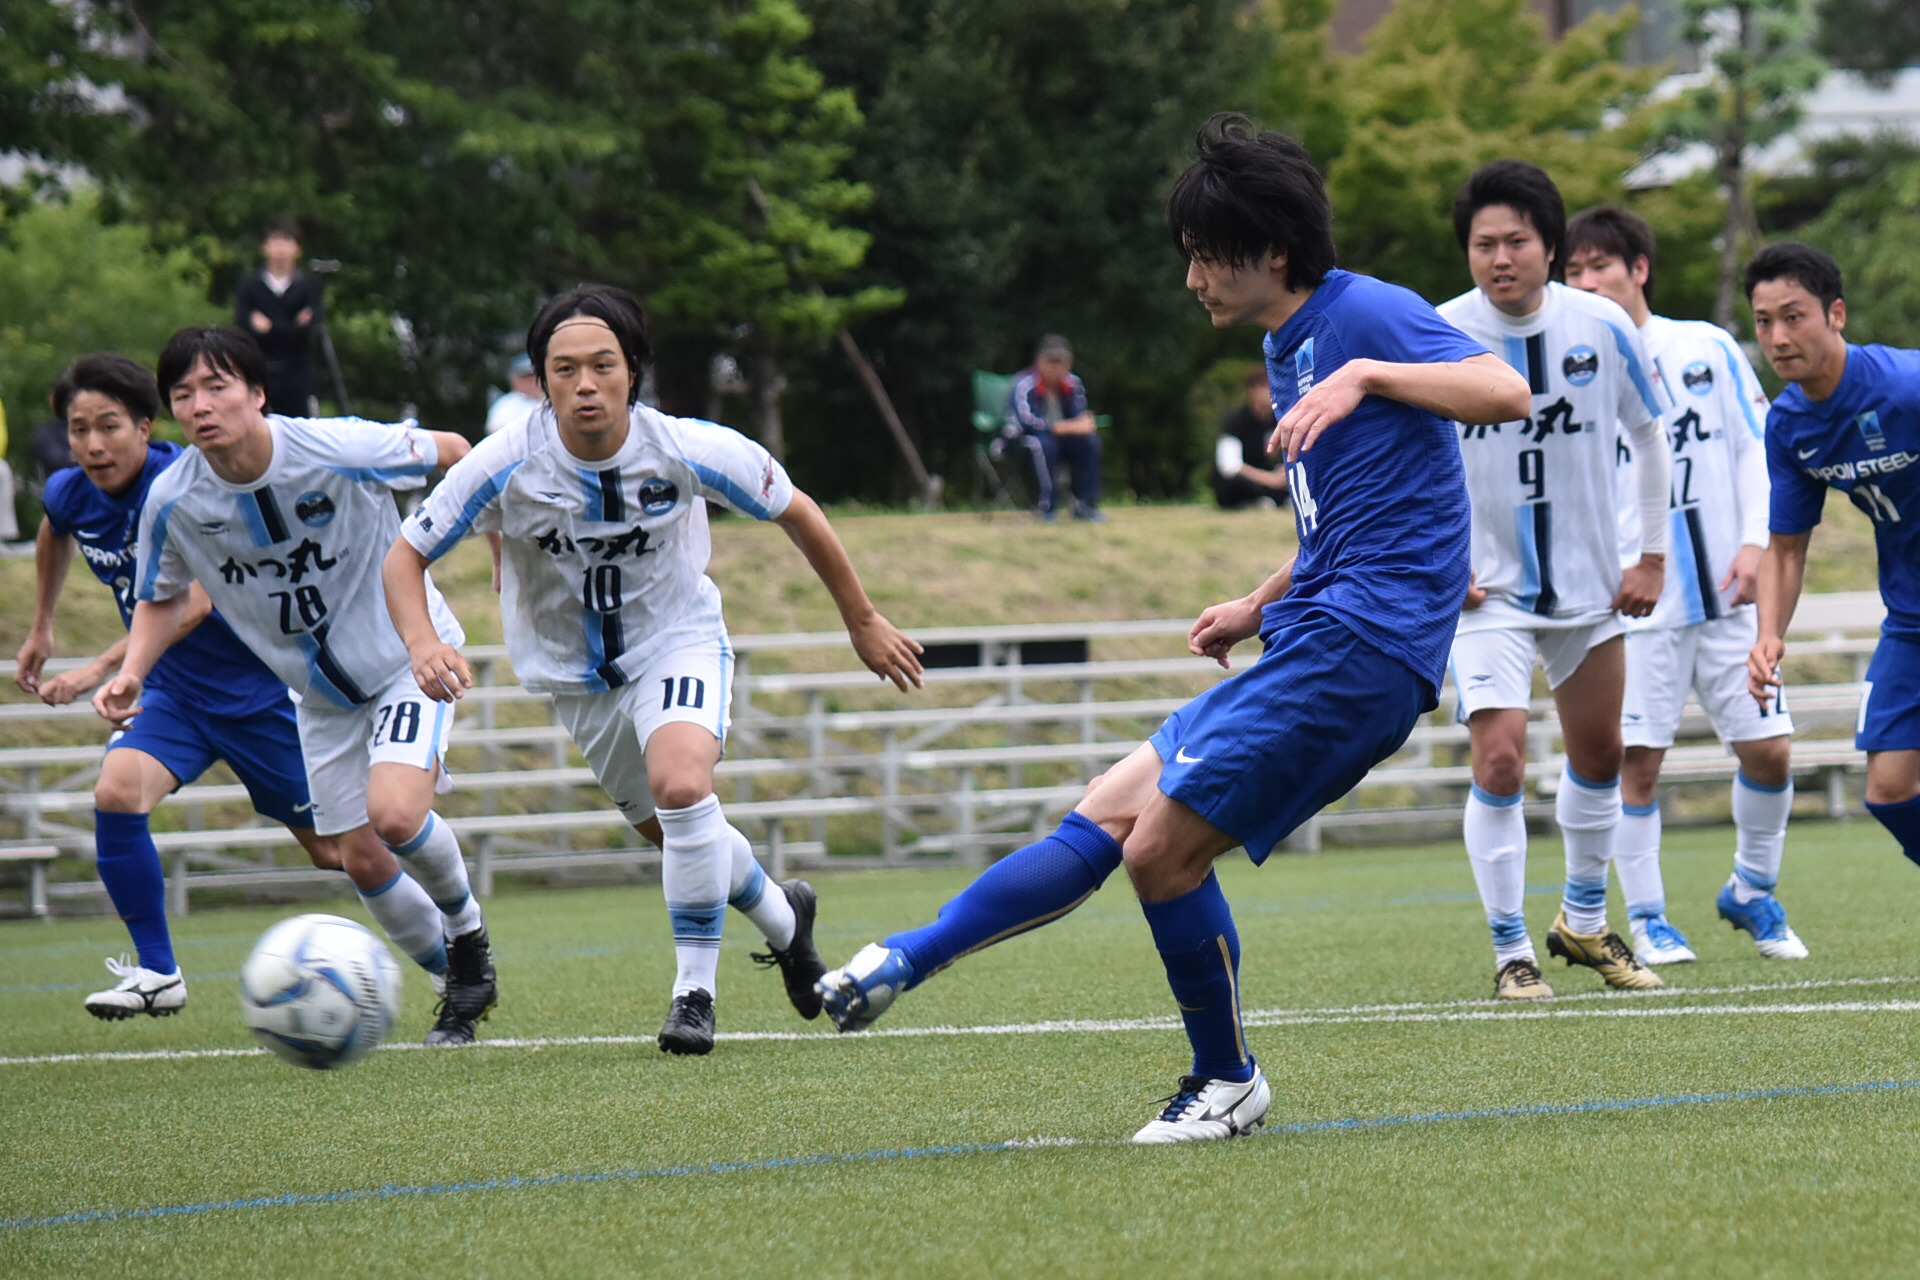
(72, 283)
(1871, 226)
(1878, 37)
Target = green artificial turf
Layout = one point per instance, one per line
(738, 1164)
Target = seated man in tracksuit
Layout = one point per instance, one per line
(1050, 404)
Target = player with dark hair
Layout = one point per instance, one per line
(1547, 566)
(600, 506)
(207, 698)
(1848, 420)
(1365, 377)
(284, 522)
(1698, 636)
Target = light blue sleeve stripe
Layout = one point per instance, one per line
(723, 484)
(1639, 375)
(463, 523)
(382, 475)
(152, 549)
(1740, 391)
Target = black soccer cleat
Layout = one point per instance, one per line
(689, 1024)
(800, 964)
(471, 990)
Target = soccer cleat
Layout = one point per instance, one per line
(1604, 953)
(470, 989)
(1519, 979)
(800, 964)
(1655, 941)
(689, 1024)
(1763, 918)
(860, 992)
(138, 991)
(1204, 1110)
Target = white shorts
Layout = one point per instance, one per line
(1493, 669)
(1710, 658)
(400, 726)
(688, 685)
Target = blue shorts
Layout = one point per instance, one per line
(262, 749)
(1260, 753)
(1890, 709)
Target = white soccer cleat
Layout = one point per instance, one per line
(1657, 942)
(1765, 921)
(139, 991)
(865, 987)
(1207, 1110)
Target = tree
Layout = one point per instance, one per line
(1760, 62)
(1867, 196)
(1878, 37)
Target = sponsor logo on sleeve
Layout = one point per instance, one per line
(1581, 366)
(314, 508)
(766, 479)
(1698, 377)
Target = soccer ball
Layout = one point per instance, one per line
(320, 991)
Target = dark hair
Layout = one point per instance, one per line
(229, 350)
(1249, 193)
(113, 376)
(283, 227)
(1527, 190)
(1616, 231)
(616, 308)
(1812, 269)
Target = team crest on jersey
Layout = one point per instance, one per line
(1303, 368)
(314, 508)
(1698, 377)
(1581, 366)
(657, 496)
(1869, 424)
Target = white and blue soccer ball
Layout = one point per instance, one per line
(320, 991)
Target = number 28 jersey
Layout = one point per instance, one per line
(292, 560)
(1863, 440)
(603, 564)
(1545, 529)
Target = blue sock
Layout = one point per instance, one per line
(129, 866)
(1201, 950)
(1024, 890)
(1903, 820)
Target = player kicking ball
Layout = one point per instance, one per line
(1365, 377)
(284, 522)
(207, 698)
(600, 506)
(1546, 564)
(1699, 635)
(1848, 420)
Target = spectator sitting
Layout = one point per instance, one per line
(517, 405)
(1050, 405)
(1244, 474)
(279, 306)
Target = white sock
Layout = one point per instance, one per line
(433, 858)
(696, 861)
(759, 898)
(1587, 813)
(1496, 834)
(1760, 818)
(409, 917)
(1636, 856)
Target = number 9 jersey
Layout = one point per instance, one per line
(292, 560)
(603, 564)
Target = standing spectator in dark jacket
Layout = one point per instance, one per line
(1244, 474)
(1050, 404)
(279, 306)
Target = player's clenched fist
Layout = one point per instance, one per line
(888, 652)
(1640, 587)
(118, 700)
(440, 671)
(1763, 669)
(1222, 626)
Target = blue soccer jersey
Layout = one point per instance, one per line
(209, 669)
(1863, 440)
(1381, 499)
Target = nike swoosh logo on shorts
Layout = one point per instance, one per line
(1180, 756)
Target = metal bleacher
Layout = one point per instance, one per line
(827, 768)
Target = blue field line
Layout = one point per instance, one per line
(392, 1192)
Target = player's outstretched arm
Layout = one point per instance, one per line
(52, 556)
(156, 625)
(1482, 388)
(1782, 571)
(438, 668)
(887, 651)
(1222, 626)
(451, 446)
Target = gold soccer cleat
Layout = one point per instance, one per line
(1519, 979)
(1605, 953)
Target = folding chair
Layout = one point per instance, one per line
(1004, 466)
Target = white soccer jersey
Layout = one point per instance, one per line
(292, 560)
(1719, 497)
(1545, 543)
(603, 564)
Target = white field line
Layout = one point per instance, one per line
(1486, 1010)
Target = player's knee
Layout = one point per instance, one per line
(396, 821)
(1501, 770)
(1768, 762)
(116, 793)
(680, 793)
